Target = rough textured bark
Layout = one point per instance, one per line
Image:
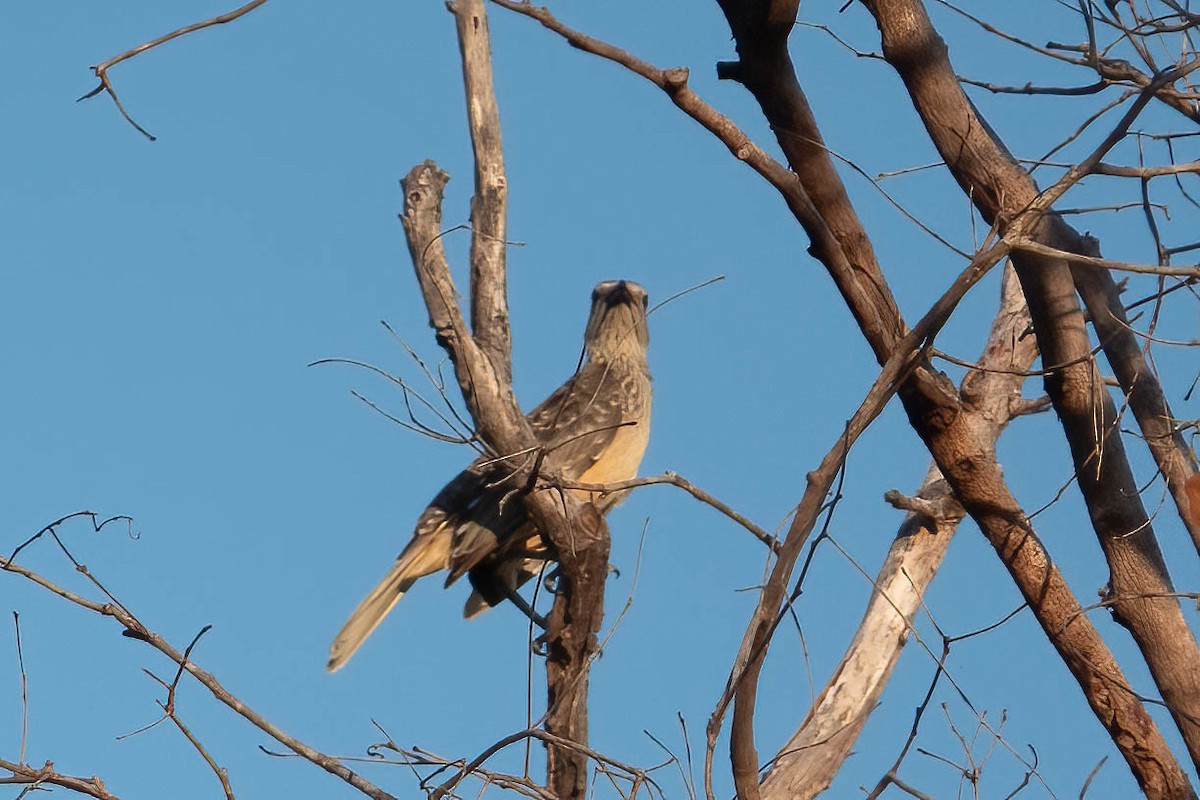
(1002, 191)
(977, 476)
(807, 764)
(905, 368)
(760, 31)
(1141, 385)
(482, 359)
(570, 645)
(489, 282)
(960, 449)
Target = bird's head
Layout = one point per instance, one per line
(617, 325)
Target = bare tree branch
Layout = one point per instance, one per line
(808, 762)
(743, 680)
(1002, 191)
(579, 536)
(36, 777)
(674, 479)
(134, 629)
(101, 70)
(489, 285)
(482, 361)
(969, 466)
(1095, 262)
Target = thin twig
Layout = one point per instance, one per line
(24, 688)
(101, 69)
(134, 629)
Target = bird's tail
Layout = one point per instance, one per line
(412, 564)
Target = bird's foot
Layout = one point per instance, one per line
(550, 582)
(521, 603)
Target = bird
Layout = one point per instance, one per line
(593, 429)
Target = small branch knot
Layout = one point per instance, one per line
(939, 506)
(675, 79)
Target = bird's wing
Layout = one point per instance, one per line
(577, 424)
(580, 420)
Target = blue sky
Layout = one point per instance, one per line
(159, 303)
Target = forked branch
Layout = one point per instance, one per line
(101, 69)
(482, 365)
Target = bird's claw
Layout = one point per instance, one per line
(550, 582)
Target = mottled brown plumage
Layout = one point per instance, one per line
(594, 429)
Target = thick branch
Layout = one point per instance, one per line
(489, 205)
(760, 30)
(1002, 191)
(572, 626)
(1140, 383)
(37, 777)
(967, 459)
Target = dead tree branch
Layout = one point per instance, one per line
(742, 686)
(675, 479)
(101, 69)
(37, 777)
(489, 216)
(1004, 193)
(135, 629)
(968, 462)
(808, 762)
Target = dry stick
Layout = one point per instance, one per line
(1124, 171)
(807, 764)
(577, 533)
(34, 777)
(675, 479)
(169, 712)
(24, 688)
(1097, 263)
(473, 766)
(1002, 191)
(221, 773)
(101, 70)
(134, 629)
(489, 308)
(420, 757)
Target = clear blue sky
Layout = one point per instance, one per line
(159, 303)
